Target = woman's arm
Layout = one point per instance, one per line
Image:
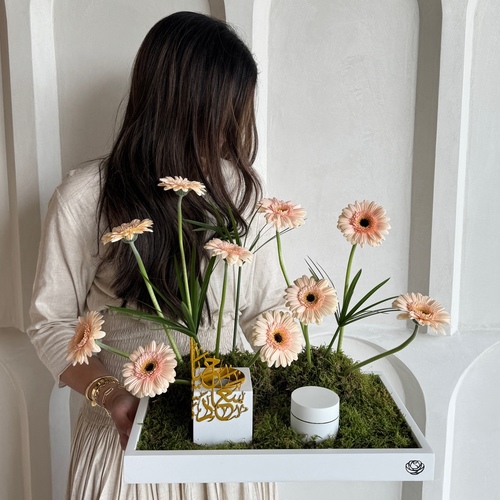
(67, 266)
(120, 404)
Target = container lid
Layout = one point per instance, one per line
(315, 404)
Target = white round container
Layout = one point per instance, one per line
(314, 412)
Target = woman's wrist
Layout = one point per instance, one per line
(101, 390)
(116, 395)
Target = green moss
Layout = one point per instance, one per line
(369, 417)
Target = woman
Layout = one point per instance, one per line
(190, 113)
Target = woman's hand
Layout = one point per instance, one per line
(122, 407)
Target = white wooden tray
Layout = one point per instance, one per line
(206, 466)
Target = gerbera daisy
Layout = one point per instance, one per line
(181, 184)
(83, 344)
(282, 214)
(150, 371)
(231, 253)
(280, 338)
(310, 300)
(128, 231)
(422, 309)
(364, 222)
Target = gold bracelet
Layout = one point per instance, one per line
(93, 390)
(87, 390)
(107, 392)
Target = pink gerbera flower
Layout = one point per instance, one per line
(310, 300)
(83, 343)
(280, 338)
(150, 371)
(231, 253)
(128, 231)
(282, 214)
(422, 309)
(181, 184)
(364, 222)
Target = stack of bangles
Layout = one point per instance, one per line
(100, 388)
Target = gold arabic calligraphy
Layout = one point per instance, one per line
(216, 389)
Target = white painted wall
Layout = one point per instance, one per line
(341, 110)
(392, 100)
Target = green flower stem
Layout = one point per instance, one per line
(236, 309)
(156, 305)
(280, 255)
(114, 350)
(305, 331)
(356, 366)
(335, 335)
(183, 256)
(255, 358)
(180, 381)
(304, 327)
(221, 310)
(346, 287)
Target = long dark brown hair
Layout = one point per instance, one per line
(191, 103)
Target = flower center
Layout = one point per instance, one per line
(364, 222)
(427, 311)
(84, 337)
(149, 367)
(309, 298)
(278, 338)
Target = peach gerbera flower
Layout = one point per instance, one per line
(280, 338)
(128, 231)
(310, 300)
(422, 309)
(231, 253)
(83, 344)
(364, 222)
(150, 371)
(282, 214)
(181, 184)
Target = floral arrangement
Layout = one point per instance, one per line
(278, 335)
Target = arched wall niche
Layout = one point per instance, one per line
(75, 104)
(473, 433)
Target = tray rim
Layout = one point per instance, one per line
(345, 464)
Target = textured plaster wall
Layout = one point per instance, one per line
(341, 111)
